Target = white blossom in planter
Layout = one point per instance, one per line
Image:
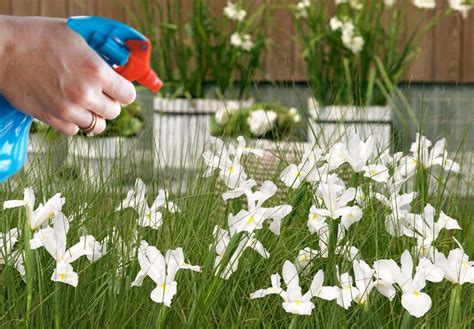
(335, 23)
(425, 4)
(260, 122)
(460, 6)
(242, 41)
(233, 12)
(302, 8)
(223, 114)
(355, 4)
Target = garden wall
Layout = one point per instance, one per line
(447, 56)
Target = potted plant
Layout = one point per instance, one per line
(271, 127)
(355, 58)
(207, 60)
(99, 154)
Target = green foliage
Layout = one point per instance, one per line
(192, 46)
(128, 124)
(287, 125)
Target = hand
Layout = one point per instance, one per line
(49, 72)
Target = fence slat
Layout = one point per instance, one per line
(81, 7)
(422, 67)
(467, 62)
(5, 8)
(111, 9)
(25, 7)
(55, 8)
(447, 53)
(280, 57)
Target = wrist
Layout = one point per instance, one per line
(7, 47)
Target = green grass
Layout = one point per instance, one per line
(203, 300)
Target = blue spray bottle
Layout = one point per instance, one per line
(122, 47)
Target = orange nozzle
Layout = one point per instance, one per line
(138, 66)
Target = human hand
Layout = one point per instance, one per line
(50, 73)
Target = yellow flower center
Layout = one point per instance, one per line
(423, 250)
(250, 220)
(298, 302)
(62, 276)
(339, 154)
(298, 174)
(413, 161)
(464, 264)
(351, 215)
(231, 169)
(303, 258)
(148, 215)
(416, 293)
(373, 172)
(314, 216)
(163, 286)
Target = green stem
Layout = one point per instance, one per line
(407, 322)
(333, 232)
(57, 305)
(294, 323)
(455, 306)
(29, 269)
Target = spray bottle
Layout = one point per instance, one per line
(122, 47)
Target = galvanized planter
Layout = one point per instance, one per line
(181, 129)
(331, 124)
(101, 157)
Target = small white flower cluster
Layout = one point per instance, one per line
(302, 8)
(233, 12)
(148, 216)
(461, 6)
(242, 41)
(349, 37)
(246, 222)
(295, 115)
(336, 202)
(162, 270)
(226, 160)
(238, 39)
(425, 4)
(354, 4)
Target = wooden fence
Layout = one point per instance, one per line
(447, 51)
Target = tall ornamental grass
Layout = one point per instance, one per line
(350, 236)
(357, 50)
(200, 49)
